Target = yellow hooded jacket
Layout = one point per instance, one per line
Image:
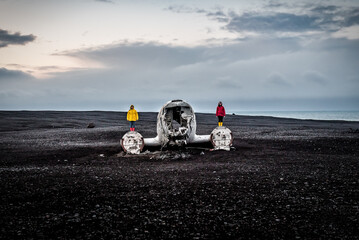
(132, 115)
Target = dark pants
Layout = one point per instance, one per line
(132, 124)
(220, 118)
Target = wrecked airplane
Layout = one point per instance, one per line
(176, 126)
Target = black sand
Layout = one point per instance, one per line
(287, 179)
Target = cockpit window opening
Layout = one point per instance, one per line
(177, 117)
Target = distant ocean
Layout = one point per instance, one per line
(315, 115)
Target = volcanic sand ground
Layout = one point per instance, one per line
(286, 179)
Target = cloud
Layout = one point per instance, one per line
(277, 79)
(325, 9)
(279, 20)
(350, 33)
(147, 56)
(247, 73)
(7, 75)
(7, 38)
(144, 55)
(228, 83)
(274, 4)
(43, 72)
(352, 18)
(315, 77)
(282, 22)
(105, 1)
(184, 9)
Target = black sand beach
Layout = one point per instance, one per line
(286, 179)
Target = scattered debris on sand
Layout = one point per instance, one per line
(157, 155)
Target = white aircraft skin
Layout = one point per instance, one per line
(176, 126)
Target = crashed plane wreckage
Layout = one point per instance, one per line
(176, 126)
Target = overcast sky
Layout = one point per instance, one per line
(109, 54)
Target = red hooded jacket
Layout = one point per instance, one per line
(220, 111)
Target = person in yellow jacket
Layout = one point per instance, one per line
(132, 117)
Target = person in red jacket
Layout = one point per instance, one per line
(220, 113)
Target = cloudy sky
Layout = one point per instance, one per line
(109, 54)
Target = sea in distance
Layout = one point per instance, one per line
(312, 115)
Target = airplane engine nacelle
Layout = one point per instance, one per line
(132, 142)
(221, 138)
